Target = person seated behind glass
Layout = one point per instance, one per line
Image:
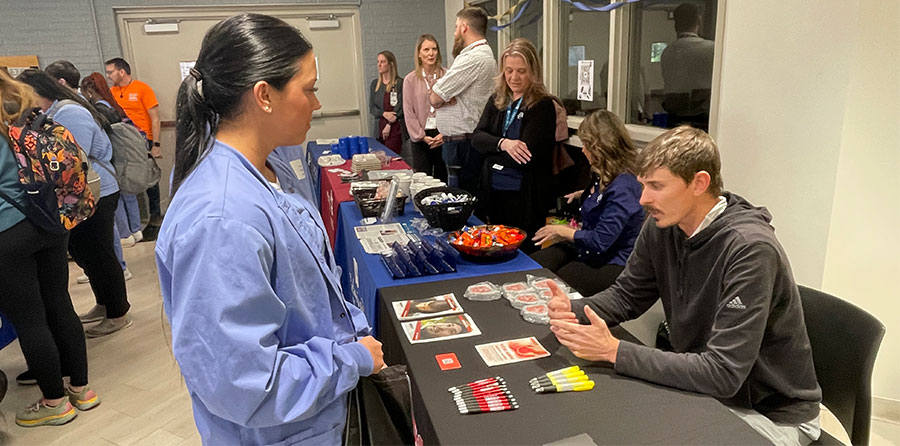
(687, 65)
(590, 259)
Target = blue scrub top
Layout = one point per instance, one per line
(263, 336)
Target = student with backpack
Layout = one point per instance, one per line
(128, 218)
(92, 242)
(35, 279)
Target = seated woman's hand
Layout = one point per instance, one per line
(518, 150)
(554, 232)
(573, 196)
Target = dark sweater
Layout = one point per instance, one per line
(537, 131)
(733, 309)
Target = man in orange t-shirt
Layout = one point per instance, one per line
(141, 106)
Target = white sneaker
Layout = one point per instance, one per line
(82, 279)
(127, 274)
(138, 236)
(128, 242)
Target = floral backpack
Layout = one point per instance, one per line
(52, 172)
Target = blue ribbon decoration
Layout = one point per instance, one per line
(575, 3)
(514, 19)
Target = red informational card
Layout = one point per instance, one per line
(448, 361)
(507, 352)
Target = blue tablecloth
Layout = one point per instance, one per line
(7, 332)
(364, 273)
(314, 151)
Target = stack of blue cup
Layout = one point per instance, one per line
(344, 148)
(363, 144)
(354, 145)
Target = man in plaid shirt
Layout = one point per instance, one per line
(460, 95)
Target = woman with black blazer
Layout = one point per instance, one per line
(386, 103)
(516, 135)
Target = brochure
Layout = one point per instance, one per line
(408, 310)
(508, 352)
(440, 329)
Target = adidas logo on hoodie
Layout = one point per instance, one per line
(736, 304)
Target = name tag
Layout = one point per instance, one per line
(297, 167)
(394, 99)
(133, 97)
(430, 123)
(497, 167)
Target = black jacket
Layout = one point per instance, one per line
(538, 130)
(733, 309)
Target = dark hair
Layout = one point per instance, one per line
(63, 69)
(46, 86)
(476, 18)
(97, 83)
(236, 53)
(121, 64)
(686, 16)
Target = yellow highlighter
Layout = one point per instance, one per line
(578, 386)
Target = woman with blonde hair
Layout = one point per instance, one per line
(516, 135)
(419, 114)
(386, 102)
(590, 259)
(35, 279)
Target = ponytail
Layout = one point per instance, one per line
(196, 126)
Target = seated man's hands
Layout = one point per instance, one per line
(592, 342)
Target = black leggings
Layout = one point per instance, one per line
(34, 296)
(91, 244)
(428, 160)
(587, 279)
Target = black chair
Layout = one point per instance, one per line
(845, 341)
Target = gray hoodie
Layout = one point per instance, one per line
(733, 309)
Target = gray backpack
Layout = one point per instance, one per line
(135, 170)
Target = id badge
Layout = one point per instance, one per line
(430, 123)
(393, 99)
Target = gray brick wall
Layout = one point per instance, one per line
(63, 29)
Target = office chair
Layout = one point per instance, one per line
(845, 341)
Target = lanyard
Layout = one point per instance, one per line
(511, 115)
(428, 87)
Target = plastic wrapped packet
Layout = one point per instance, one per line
(520, 300)
(483, 291)
(575, 295)
(420, 224)
(514, 287)
(536, 314)
(543, 283)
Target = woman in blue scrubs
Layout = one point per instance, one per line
(268, 347)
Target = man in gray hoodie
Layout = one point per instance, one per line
(733, 309)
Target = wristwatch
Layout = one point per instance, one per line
(155, 143)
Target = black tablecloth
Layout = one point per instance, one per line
(619, 410)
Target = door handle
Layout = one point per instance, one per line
(334, 114)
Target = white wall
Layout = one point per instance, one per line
(862, 259)
(808, 128)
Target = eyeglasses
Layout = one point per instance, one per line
(108, 72)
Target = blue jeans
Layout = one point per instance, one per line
(117, 244)
(128, 216)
